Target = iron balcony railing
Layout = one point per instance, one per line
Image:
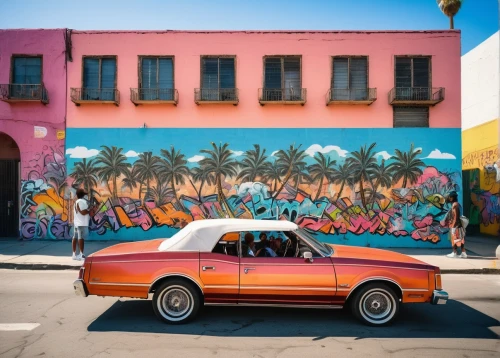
(282, 95)
(154, 95)
(416, 95)
(354, 95)
(24, 93)
(217, 95)
(95, 95)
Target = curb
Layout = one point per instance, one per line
(37, 267)
(56, 267)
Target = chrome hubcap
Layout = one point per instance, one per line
(176, 302)
(377, 306)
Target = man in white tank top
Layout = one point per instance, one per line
(81, 223)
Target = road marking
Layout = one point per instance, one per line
(18, 326)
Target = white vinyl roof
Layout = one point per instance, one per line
(202, 235)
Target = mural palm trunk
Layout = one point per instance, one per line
(341, 189)
(175, 193)
(285, 180)
(362, 192)
(115, 192)
(405, 181)
(222, 197)
(319, 189)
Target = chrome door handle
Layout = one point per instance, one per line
(248, 269)
(204, 268)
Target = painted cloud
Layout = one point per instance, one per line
(436, 154)
(384, 155)
(313, 149)
(237, 153)
(196, 158)
(131, 154)
(81, 152)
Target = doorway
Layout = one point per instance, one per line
(9, 186)
(470, 186)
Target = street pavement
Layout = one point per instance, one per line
(53, 322)
(56, 255)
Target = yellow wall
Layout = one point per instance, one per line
(480, 147)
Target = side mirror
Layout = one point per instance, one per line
(308, 256)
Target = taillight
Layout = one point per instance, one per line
(437, 278)
(80, 274)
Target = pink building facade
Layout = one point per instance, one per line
(32, 131)
(353, 135)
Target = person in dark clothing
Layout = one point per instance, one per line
(263, 243)
(457, 232)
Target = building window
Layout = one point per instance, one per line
(413, 78)
(99, 78)
(218, 78)
(411, 116)
(282, 78)
(26, 77)
(156, 78)
(350, 78)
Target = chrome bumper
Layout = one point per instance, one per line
(439, 297)
(80, 289)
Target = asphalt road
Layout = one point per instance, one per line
(64, 325)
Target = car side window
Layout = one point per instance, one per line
(227, 244)
(262, 243)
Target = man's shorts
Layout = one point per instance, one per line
(81, 233)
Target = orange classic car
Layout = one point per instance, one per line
(258, 262)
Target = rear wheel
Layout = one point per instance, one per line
(176, 302)
(375, 305)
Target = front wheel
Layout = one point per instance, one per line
(176, 302)
(375, 305)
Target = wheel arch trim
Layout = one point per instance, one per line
(378, 278)
(175, 274)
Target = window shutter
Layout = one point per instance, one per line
(27, 70)
(411, 116)
(148, 73)
(19, 75)
(272, 73)
(108, 72)
(420, 72)
(166, 75)
(403, 72)
(210, 69)
(340, 80)
(91, 73)
(358, 83)
(227, 79)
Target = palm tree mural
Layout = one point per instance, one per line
(272, 173)
(172, 169)
(321, 170)
(219, 163)
(450, 8)
(342, 175)
(131, 180)
(159, 194)
(145, 169)
(290, 162)
(198, 174)
(363, 164)
(382, 177)
(253, 165)
(85, 174)
(113, 164)
(407, 166)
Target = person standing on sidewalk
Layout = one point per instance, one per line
(81, 215)
(457, 232)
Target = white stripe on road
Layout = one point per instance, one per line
(18, 326)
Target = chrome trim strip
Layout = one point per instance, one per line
(392, 267)
(292, 264)
(176, 274)
(222, 286)
(415, 289)
(288, 288)
(374, 279)
(275, 305)
(224, 262)
(131, 261)
(119, 284)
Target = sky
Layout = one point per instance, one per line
(478, 19)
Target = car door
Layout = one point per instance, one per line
(287, 280)
(219, 271)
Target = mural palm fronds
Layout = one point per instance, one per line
(323, 169)
(407, 166)
(342, 175)
(159, 194)
(172, 169)
(202, 176)
(363, 164)
(450, 8)
(290, 162)
(218, 163)
(272, 173)
(382, 177)
(113, 164)
(131, 180)
(253, 165)
(85, 174)
(145, 168)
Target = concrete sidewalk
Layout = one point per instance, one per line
(56, 255)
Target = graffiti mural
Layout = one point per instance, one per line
(341, 192)
(44, 206)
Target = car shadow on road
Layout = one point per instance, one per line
(453, 320)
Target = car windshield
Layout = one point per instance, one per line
(324, 249)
